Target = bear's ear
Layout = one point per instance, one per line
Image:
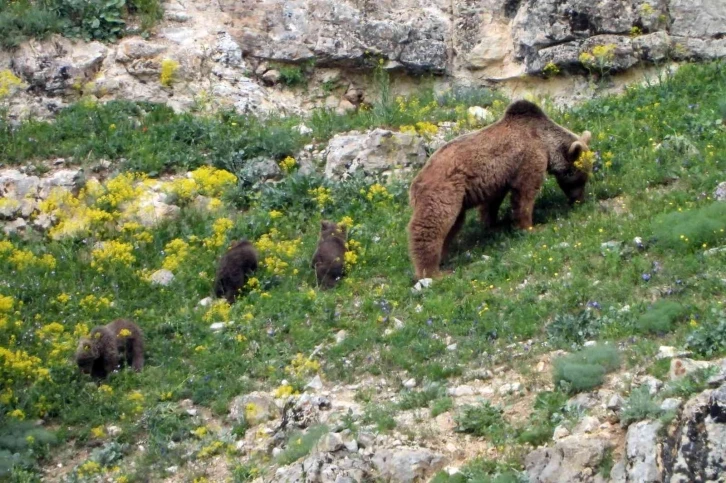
(576, 150)
(585, 138)
(325, 224)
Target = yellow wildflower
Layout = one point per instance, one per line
(288, 164)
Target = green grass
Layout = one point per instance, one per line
(104, 20)
(299, 444)
(482, 307)
(483, 420)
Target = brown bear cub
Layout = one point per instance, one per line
(479, 169)
(107, 346)
(234, 268)
(329, 258)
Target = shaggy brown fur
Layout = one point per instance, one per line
(479, 169)
(330, 256)
(100, 353)
(235, 267)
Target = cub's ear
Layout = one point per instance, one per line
(585, 138)
(325, 224)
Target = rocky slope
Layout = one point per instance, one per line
(233, 53)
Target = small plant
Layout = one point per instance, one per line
(551, 69)
(300, 444)
(168, 72)
(440, 406)
(692, 229)
(291, 75)
(483, 420)
(661, 317)
(586, 369)
(568, 329)
(640, 405)
(420, 399)
(709, 339)
(381, 416)
(600, 59)
(21, 442)
(636, 31)
(688, 385)
(549, 410)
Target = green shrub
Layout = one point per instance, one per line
(692, 229)
(21, 444)
(291, 75)
(640, 405)
(586, 369)
(661, 317)
(300, 444)
(709, 339)
(480, 470)
(568, 329)
(549, 408)
(483, 420)
(422, 398)
(440, 406)
(381, 416)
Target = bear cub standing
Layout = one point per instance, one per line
(107, 346)
(329, 258)
(480, 169)
(235, 267)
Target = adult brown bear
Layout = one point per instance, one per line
(479, 169)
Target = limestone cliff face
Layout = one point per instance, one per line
(231, 52)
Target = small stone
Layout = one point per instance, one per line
(612, 245)
(398, 324)
(315, 383)
(276, 452)
(172, 469)
(192, 411)
(638, 242)
(340, 336)
(410, 383)
(113, 430)
(720, 192)
(303, 129)
(162, 277)
(460, 391)
(510, 388)
(560, 433)
(205, 302)
(330, 443)
(451, 347)
(366, 440)
(614, 403)
(671, 404)
(217, 326)
(272, 76)
(422, 284)
(683, 367)
(654, 384)
(589, 343)
(589, 424)
(15, 226)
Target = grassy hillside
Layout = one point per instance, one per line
(660, 151)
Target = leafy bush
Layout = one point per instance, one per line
(661, 317)
(21, 442)
(704, 226)
(709, 339)
(440, 406)
(422, 398)
(639, 405)
(549, 409)
(291, 75)
(88, 19)
(586, 369)
(568, 329)
(483, 420)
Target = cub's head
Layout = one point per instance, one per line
(331, 229)
(86, 354)
(573, 178)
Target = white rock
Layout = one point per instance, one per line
(452, 347)
(15, 226)
(276, 452)
(422, 284)
(667, 352)
(510, 388)
(217, 326)
(398, 324)
(303, 129)
(205, 302)
(480, 113)
(614, 403)
(409, 383)
(162, 277)
(683, 367)
(113, 430)
(560, 432)
(589, 343)
(315, 383)
(588, 425)
(671, 404)
(460, 391)
(340, 336)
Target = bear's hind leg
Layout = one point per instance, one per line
(431, 222)
(489, 210)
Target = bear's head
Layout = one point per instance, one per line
(330, 229)
(86, 354)
(570, 177)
